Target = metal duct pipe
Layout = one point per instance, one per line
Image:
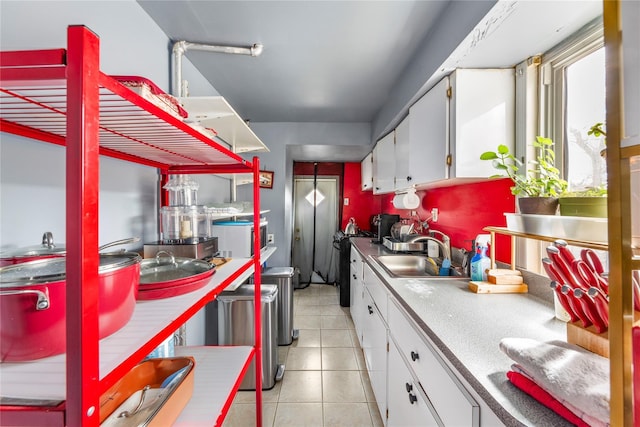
(180, 47)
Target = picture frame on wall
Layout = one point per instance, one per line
(266, 179)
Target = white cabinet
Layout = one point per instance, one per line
(384, 164)
(406, 401)
(366, 173)
(428, 135)
(356, 292)
(482, 116)
(451, 401)
(403, 151)
(374, 347)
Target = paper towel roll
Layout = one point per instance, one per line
(409, 200)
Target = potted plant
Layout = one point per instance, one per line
(591, 201)
(538, 188)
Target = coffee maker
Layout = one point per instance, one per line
(385, 221)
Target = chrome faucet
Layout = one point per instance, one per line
(445, 243)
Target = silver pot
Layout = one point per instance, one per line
(352, 227)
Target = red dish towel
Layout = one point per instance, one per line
(533, 390)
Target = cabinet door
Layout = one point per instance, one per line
(377, 289)
(429, 135)
(384, 164)
(402, 154)
(374, 347)
(356, 289)
(482, 117)
(451, 401)
(407, 403)
(366, 173)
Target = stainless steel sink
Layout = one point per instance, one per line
(418, 266)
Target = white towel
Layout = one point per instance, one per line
(565, 371)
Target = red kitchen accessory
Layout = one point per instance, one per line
(636, 291)
(565, 253)
(45, 250)
(564, 269)
(564, 301)
(33, 303)
(590, 308)
(578, 309)
(591, 258)
(167, 276)
(602, 303)
(588, 276)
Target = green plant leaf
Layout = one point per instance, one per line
(503, 149)
(488, 155)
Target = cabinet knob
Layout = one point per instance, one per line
(412, 398)
(409, 387)
(414, 356)
(408, 179)
(355, 277)
(370, 309)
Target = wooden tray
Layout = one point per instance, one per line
(491, 288)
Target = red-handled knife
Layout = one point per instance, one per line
(564, 301)
(590, 310)
(564, 251)
(576, 305)
(602, 303)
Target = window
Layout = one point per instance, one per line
(573, 100)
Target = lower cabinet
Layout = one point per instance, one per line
(356, 293)
(374, 346)
(453, 404)
(406, 402)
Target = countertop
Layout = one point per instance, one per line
(467, 327)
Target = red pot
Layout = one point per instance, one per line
(45, 250)
(33, 303)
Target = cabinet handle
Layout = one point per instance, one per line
(412, 398)
(409, 387)
(370, 309)
(414, 356)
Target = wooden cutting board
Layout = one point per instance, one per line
(492, 288)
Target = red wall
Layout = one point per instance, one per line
(463, 209)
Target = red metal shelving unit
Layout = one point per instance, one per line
(61, 96)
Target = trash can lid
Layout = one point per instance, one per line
(277, 271)
(246, 292)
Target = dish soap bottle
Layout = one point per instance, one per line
(479, 265)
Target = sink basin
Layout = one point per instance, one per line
(418, 266)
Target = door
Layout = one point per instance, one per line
(315, 222)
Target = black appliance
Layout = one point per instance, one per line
(342, 243)
(385, 222)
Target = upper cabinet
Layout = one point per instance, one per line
(403, 173)
(366, 172)
(384, 164)
(482, 116)
(428, 135)
(465, 114)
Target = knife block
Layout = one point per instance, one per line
(589, 339)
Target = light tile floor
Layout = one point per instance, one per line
(325, 381)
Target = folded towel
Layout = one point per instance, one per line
(592, 421)
(533, 390)
(571, 374)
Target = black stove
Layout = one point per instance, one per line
(342, 243)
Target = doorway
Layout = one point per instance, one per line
(315, 221)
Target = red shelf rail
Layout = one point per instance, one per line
(60, 96)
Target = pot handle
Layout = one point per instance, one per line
(166, 254)
(42, 302)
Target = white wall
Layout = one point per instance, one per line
(32, 173)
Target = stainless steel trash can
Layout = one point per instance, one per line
(236, 326)
(283, 278)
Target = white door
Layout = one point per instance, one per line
(315, 223)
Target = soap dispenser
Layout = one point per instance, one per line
(480, 263)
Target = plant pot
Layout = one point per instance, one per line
(594, 207)
(538, 205)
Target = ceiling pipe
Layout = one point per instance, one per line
(181, 47)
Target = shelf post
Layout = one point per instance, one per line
(82, 187)
(257, 295)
